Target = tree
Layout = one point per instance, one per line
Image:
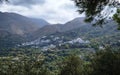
(95, 10)
(73, 66)
(106, 62)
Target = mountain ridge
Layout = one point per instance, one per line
(14, 28)
(17, 24)
(59, 28)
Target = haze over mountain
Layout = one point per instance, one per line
(40, 22)
(18, 24)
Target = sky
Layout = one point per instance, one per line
(53, 11)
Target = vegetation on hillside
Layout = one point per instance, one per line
(60, 62)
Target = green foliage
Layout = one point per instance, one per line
(22, 68)
(73, 66)
(116, 17)
(93, 9)
(106, 62)
(60, 62)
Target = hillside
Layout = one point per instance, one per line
(75, 31)
(15, 28)
(76, 27)
(18, 24)
(59, 28)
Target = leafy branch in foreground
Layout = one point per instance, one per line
(98, 11)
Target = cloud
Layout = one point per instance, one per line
(26, 2)
(54, 11)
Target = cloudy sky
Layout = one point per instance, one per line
(54, 11)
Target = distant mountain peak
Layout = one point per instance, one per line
(18, 24)
(40, 22)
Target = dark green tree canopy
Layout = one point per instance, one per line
(93, 10)
(106, 62)
(73, 66)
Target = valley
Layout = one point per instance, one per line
(26, 32)
(31, 46)
(66, 37)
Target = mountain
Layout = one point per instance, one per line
(40, 22)
(18, 24)
(59, 28)
(46, 30)
(73, 30)
(78, 26)
(73, 24)
(14, 28)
